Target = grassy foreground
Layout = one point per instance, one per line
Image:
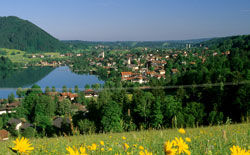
(207, 140)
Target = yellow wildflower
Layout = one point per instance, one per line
(182, 146)
(188, 139)
(126, 146)
(102, 142)
(145, 153)
(83, 151)
(236, 150)
(110, 149)
(74, 151)
(102, 149)
(168, 148)
(124, 138)
(182, 131)
(141, 147)
(92, 147)
(22, 146)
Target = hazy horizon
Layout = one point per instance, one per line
(134, 20)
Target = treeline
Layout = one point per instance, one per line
(6, 63)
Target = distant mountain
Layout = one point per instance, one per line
(16, 33)
(133, 44)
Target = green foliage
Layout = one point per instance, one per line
(53, 89)
(47, 89)
(11, 98)
(86, 126)
(156, 117)
(111, 117)
(64, 89)
(194, 113)
(5, 63)
(29, 132)
(171, 108)
(87, 86)
(20, 92)
(76, 89)
(1, 123)
(64, 107)
(43, 121)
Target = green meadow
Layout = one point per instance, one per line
(19, 56)
(204, 140)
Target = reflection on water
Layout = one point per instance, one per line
(43, 76)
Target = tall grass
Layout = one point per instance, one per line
(204, 140)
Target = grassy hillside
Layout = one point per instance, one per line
(16, 33)
(208, 140)
(19, 56)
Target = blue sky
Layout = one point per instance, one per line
(139, 20)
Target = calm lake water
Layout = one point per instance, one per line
(44, 76)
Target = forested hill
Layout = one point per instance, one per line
(16, 33)
(229, 43)
(133, 44)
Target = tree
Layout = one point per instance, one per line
(194, 113)
(35, 89)
(70, 90)
(64, 89)
(171, 107)
(20, 92)
(86, 126)
(64, 107)
(47, 90)
(87, 86)
(111, 117)
(156, 116)
(11, 98)
(141, 104)
(76, 89)
(53, 89)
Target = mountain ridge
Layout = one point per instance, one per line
(16, 33)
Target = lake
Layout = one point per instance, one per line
(43, 76)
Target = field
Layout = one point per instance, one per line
(204, 140)
(23, 57)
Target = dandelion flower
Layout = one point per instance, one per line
(124, 138)
(182, 146)
(22, 146)
(168, 148)
(182, 131)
